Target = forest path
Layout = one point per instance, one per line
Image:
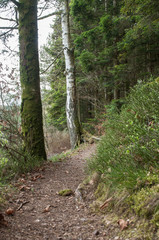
(43, 214)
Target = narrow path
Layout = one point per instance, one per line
(47, 216)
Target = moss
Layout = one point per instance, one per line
(31, 107)
(143, 202)
(139, 229)
(102, 191)
(155, 219)
(146, 201)
(66, 192)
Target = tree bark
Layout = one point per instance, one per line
(31, 107)
(71, 102)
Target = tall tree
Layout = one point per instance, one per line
(71, 103)
(31, 107)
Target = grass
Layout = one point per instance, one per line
(128, 158)
(130, 146)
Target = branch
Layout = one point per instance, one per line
(15, 2)
(10, 28)
(22, 204)
(8, 19)
(3, 34)
(52, 62)
(49, 15)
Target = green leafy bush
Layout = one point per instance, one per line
(130, 147)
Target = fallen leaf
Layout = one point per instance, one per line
(47, 209)
(21, 180)
(10, 211)
(123, 224)
(24, 188)
(34, 178)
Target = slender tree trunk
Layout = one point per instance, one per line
(31, 107)
(71, 102)
(114, 3)
(106, 5)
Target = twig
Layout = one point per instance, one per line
(96, 138)
(49, 15)
(52, 62)
(22, 204)
(15, 2)
(105, 204)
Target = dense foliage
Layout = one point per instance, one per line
(115, 44)
(130, 148)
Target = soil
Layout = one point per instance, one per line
(40, 213)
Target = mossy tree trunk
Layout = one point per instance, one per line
(71, 103)
(31, 107)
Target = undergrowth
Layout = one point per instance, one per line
(130, 148)
(128, 155)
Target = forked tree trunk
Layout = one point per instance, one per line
(71, 102)
(31, 107)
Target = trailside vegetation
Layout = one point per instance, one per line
(128, 158)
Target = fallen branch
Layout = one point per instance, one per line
(21, 205)
(96, 138)
(105, 204)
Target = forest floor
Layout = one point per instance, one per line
(40, 213)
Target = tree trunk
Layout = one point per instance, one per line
(71, 102)
(31, 107)
(106, 5)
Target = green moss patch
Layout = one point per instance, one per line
(66, 192)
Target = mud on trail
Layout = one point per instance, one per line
(42, 214)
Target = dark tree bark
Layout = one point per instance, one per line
(31, 107)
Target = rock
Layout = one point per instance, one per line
(66, 192)
(37, 221)
(78, 193)
(96, 232)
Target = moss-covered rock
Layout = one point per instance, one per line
(66, 192)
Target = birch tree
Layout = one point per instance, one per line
(71, 102)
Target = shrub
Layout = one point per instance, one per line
(130, 147)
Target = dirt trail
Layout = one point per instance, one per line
(44, 215)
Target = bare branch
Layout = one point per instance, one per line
(15, 2)
(49, 15)
(8, 19)
(52, 62)
(11, 28)
(43, 8)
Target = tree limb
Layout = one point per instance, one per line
(8, 19)
(49, 15)
(52, 62)
(10, 28)
(3, 34)
(15, 2)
